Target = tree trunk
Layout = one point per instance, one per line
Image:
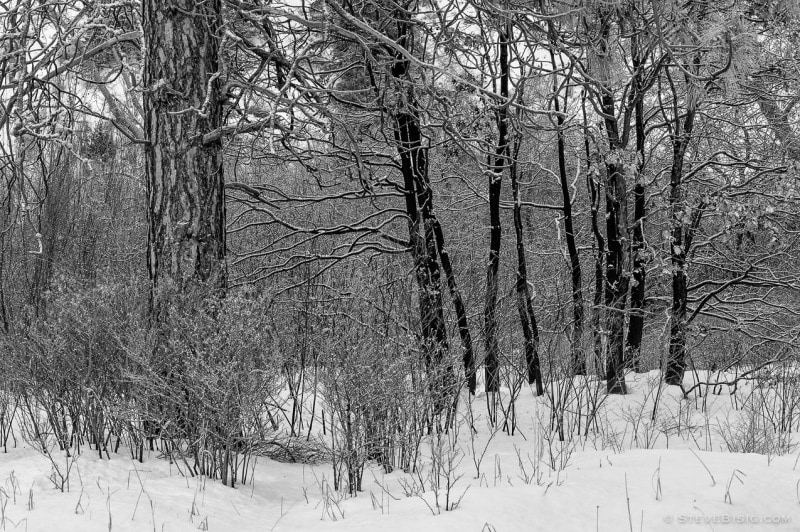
(426, 270)
(578, 359)
(593, 181)
(497, 167)
(527, 318)
(636, 326)
(53, 221)
(185, 185)
(676, 362)
(461, 309)
(616, 286)
(425, 233)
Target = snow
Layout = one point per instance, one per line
(628, 473)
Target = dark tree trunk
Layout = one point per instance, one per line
(594, 182)
(676, 362)
(636, 325)
(426, 270)
(185, 185)
(497, 167)
(616, 286)
(527, 318)
(578, 359)
(461, 309)
(426, 235)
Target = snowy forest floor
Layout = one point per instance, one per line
(629, 472)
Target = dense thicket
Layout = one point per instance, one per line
(413, 190)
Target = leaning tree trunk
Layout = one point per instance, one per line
(460, 308)
(424, 231)
(426, 270)
(527, 318)
(185, 185)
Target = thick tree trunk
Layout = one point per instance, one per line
(425, 232)
(186, 210)
(426, 270)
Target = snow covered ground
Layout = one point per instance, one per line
(627, 473)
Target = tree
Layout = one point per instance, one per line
(182, 103)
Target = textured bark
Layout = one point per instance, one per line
(185, 185)
(615, 282)
(615, 287)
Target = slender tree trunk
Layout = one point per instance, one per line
(468, 356)
(578, 359)
(636, 325)
(676, 362)
(527, 318)
(594, 182)
(186, 211)
(5, 215)
(54, 219)
(497, 167)
(616, 286)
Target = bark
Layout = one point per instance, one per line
(425, 232)
(413, 163)
(497, 167)
(578, 359)
(593, 182)
(185, 184)
(615, 284)
(676, 362)
(636, 325)
(527, 318)
(468, 355)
